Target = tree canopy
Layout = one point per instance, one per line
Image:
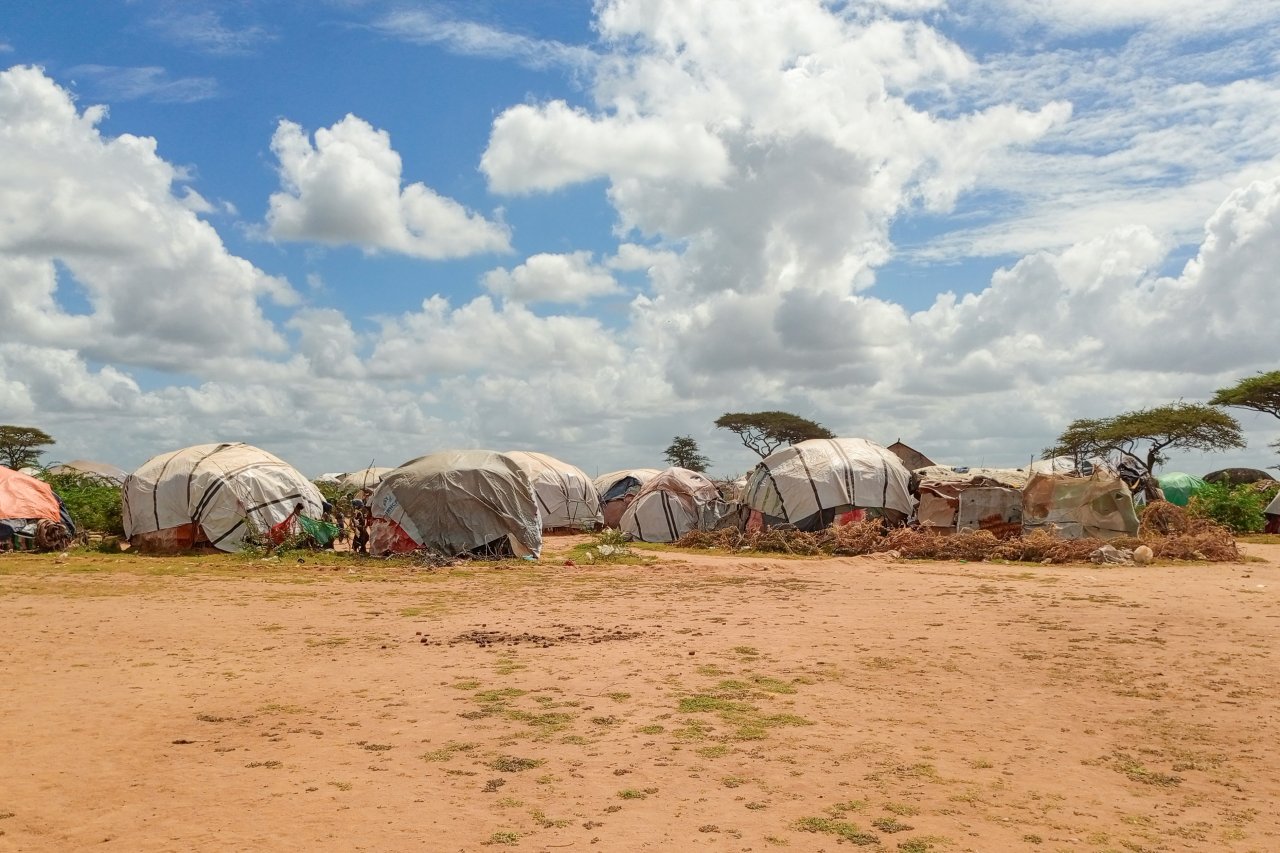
(1260, 393)
(1144, 436)
(683, 453)
(20, 445)
(765, 432)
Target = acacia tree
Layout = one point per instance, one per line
(1259, 393)
(1146, 435)
(683, 453)
(20, 445)
(765, 432)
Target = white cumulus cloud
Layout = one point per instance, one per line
(346, 189)
(570, 278)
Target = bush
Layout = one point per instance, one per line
(1236, 507)
(94, 503)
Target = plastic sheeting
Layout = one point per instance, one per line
(25, 497)
(954, 499)
(671, 504)
(1099, 506)
(618, 489)
(365, 480)
(566, 496)
(810, 483)
(456, 502)
(206, 493)
(1179, 488)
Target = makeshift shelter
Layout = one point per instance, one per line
(1237, 476)
(329, 479)
(814, 483)
(209, 494)
(362, 481)
(671, 504)
(1098, 506)
(1272, 513)
(456, 502)
(98, 470)
(567, 499)
(1179, 488)
(911, 458)
(31, 515)
(618, 489)
(957, 499)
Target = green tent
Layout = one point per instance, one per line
(1178, 487)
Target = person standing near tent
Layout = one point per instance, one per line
(360, 524)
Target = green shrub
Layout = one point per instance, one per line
(1236, 507)
(93, 502)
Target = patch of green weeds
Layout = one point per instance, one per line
(374, 747)
(448, 751)
(733, 781)
(901, 809)
(512, 764)
(842, 829)
(341, 786)
(631, 794)
(270, 765)
(465, 684)
(890, 825)
(504, 838)
(618, 696)
(714, 751)
(651, 730)
(1132, 768)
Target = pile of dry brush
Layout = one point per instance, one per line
(1166, 529)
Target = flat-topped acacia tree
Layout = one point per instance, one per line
(765, 432)
(1145, 436)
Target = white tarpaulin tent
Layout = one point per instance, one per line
(365, 480)
(618, 489)
(203, 495)
(811, 483)
(456, 502)
(566, 496)
(671, 504)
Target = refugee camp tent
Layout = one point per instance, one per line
(618, 489)
(207, 494)
(1272, 513)
(99, 470)
(31, 515)
(567, 499)
(1237, 476)
(671, 504)
(814, 482)
(1072, 507)
(364, 480)
(956, 499)
(329, 479)
(1179, 488)
(456, 502)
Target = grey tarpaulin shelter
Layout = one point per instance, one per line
(566, 496)
(456, 502)
(671, 504)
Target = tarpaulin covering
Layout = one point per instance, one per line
(205, 494)
(566, 496)
(1179, 488)
(671, 504)
(100, 470)
(365, 480)
(618, 489)
(1098, 506)
(456, 502)
(25, 497)
(954, 499)
(810, 483)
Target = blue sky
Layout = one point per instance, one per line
(376, 229)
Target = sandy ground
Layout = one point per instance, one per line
(696, 703)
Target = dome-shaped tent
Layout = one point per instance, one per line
(104, 471)
(1237, 476)
(618, 489)
(456, 502)
(1179, 488)
(671, 504)
(204, 495)
(566, 496)
(811, 483)
(365, 480)
(31, 516)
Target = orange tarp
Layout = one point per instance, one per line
(22, 496)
